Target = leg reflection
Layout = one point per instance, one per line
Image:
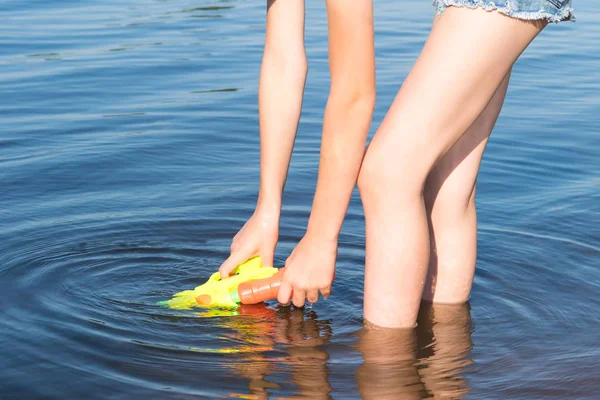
(444, 342)
(430, 361)
(389, 369)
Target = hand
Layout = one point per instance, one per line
(258, 237)
(309, 269)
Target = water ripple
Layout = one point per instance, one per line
(129, 158)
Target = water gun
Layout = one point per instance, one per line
(249, 283)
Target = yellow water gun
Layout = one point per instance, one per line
(249, 283)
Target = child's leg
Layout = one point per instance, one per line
(450, 203)
(464, 61)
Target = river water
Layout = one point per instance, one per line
(129, 158)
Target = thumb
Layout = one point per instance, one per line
(235, 259)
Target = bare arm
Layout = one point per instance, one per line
(282, 78)
(348, 114)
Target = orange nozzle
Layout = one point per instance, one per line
(257, 291)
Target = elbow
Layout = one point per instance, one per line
(367, 98)
(294, 67)
(291, 66)
(356, 99)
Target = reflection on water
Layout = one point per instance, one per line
(444, 349)
(304, 334)
(430, 361)
(389, 364)
(264, 330)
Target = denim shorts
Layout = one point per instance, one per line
(551, 10)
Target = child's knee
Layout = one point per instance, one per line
(385, 172)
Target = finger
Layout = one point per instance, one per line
(312, 295)
(285, 293)
(325, 292)
(299, 297)
(232, 262)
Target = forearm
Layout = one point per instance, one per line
(345, 131)
(282, 78)
(348, 114)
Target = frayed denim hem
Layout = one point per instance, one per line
(564, 14)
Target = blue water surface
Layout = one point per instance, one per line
(129, 158)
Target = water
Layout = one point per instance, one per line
(129, 158)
